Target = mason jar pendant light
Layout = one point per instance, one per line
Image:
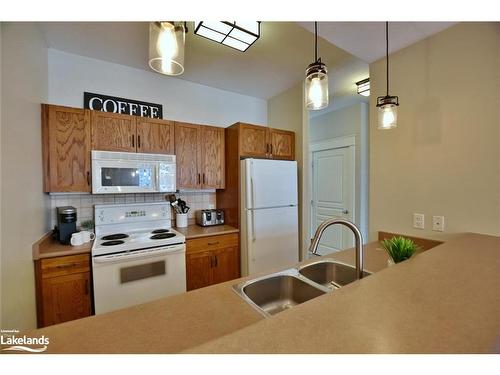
(316, 85)
(166, 47)
(387, 105)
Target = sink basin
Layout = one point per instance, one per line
(330, 274)
(277, 292)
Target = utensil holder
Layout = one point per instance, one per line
(181, 220)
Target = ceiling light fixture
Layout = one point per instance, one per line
(316, 85)
(387, 105)
(234, 34)
(363, 87)
(166, 47)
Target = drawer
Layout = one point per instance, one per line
(212, 243)
(66, 265)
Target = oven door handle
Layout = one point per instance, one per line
(142, 254)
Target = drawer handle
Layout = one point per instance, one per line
(69, 265)
(213, 243)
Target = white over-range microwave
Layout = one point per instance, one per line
(128, 172)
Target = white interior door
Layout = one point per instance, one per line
(333, 196)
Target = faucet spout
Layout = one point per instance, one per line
(357, 238)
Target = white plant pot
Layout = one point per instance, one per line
(390, 262)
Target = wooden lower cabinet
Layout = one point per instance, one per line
(63, 287)
(212, 260)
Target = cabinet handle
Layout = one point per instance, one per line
(69, 265)
(138, 141)
(203, 178)
(267, 148)
(216, 262)
(88, 178)
(271, 148)
(199, 178)
(133, 141)
(213, 243)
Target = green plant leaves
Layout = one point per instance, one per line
(399, 248)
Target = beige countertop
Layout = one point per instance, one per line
(48, 247)
(196, 231)
(445, 300)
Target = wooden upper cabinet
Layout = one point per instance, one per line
(113, 132)
(66, 149)
(212, 157)
(282, 144)
(188, 153)
(253, 141)
(155, 136)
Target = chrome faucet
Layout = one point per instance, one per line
(357, 236)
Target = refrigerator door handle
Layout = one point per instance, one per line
(254, 234)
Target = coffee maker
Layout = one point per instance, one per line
(66, 224)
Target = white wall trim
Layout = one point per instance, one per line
(337, 142)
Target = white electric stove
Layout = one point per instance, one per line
(137, 256)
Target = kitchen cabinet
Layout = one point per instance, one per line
(200, 158)
(113, 132)
(63, 289)
(66, 141)
(155, 136)
(212, 260)
(267, 143)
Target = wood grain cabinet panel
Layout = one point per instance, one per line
(188, 153)
(66, 149)
(282, 144)
(212, 260)
(198, 267)
(155, 136)
(113, 132)
(212, 157)
(253, 141)
(63, 289)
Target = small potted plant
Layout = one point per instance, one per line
(399, 249)
(87, 225)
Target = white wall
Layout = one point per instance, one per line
(24, 211)
(70, 75)
(350, 120)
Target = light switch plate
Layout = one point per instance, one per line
(419, 221)
(438, 223)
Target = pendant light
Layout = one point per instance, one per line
(316, 85)
(166, 47)
(387, 105)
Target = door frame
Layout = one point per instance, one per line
(350, 141)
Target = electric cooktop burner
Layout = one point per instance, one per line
(113, 243)
(117, 236)
(156, 231)
(162, 236)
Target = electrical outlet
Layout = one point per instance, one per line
(419, 221)
(438, 223)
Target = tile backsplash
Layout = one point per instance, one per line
(84, 203)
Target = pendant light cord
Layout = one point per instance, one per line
(387, 54)
(315, 41)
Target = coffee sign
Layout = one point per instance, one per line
(98, 102)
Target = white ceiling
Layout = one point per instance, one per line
(276, 62)
(366, 40)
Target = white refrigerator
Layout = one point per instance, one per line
(269, 217)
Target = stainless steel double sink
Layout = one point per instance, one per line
(280, 291)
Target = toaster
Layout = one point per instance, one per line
(207, 218)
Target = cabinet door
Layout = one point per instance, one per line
(254, 141)
(212, 157)
(282, 144)
(155, 136)
(198, 270)
(113, 132)
(187, 151)
(66, 298)
(225, 265)
(66, 149)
